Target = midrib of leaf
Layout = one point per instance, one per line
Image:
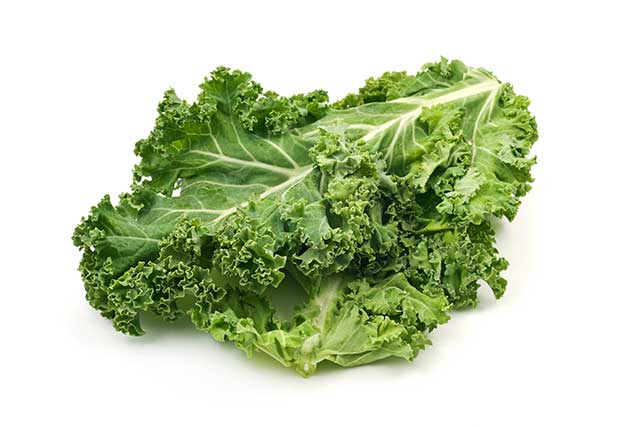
(429, 101)
(324, 301)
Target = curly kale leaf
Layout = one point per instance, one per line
(377, 206)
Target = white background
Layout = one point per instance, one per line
(80, 83)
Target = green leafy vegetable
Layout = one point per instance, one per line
(376, 206)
